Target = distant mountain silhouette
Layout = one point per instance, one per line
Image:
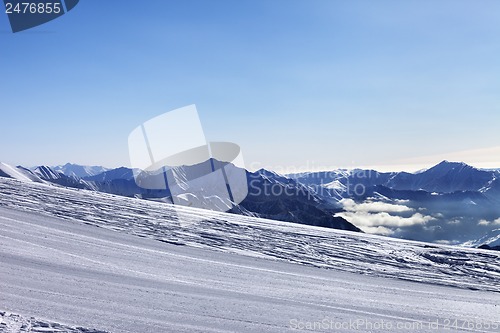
(80, 171)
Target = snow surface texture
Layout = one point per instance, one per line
(14, 323)
(320, 247)
(263, 276)
(72, 273)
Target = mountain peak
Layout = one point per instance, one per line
(451, 165)
(446, 162)
(46, 173)
(79, 171)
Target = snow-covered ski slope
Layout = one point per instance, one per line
(74, 258)
(313, 246)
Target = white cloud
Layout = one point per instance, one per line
(365, 219)
(378, 230)
(374, 207)
(486, 223)
(402, 201)
(379, 217)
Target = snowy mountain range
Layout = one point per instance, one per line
(79, 171)
(450, 203)
(300, 205)
(445, 177)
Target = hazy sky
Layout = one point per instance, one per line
(297, 84)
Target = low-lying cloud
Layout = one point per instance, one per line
(488, 223)
(381, 218)
(374, 207)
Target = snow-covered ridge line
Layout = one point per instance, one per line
(313, 246)
(18, 173)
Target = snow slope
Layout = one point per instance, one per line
(320, 247)
(73, 257)
(18, 173)
(82, 275)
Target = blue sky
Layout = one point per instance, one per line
(297, 84)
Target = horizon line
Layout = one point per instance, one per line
(290, 170)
